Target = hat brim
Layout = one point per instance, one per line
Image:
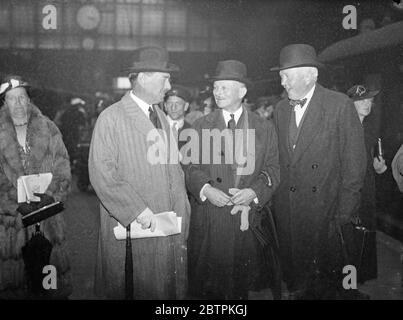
(316, 64)
(245, 81)
(171, 68)
(368, 95)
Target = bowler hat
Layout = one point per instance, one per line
(297, 55)
(359, 92)
(397, 168)
(179, 91)
(153, 59)
(231, 70)
(12, 82)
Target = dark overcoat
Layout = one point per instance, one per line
(224, 262)
(320, 184)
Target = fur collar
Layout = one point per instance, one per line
(38, 136)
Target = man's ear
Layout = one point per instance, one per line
(186, 106)
(242, 92)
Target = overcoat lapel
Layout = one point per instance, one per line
(283, 126)
(311, 126)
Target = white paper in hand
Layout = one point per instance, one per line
(167, 223)
(34, 183)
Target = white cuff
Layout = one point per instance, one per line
(202, 196)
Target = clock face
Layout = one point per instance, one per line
(88, 17)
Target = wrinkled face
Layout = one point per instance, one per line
(364, 106)
(17, 101)
(176, 107)
(156, 85)
(228, 93)
(295, 82)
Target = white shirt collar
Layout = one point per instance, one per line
(179, 123)
(141, 103)
(227, 115)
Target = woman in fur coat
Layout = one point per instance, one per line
(29, 144)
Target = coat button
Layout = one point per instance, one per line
(288, 166)
(293, 189)
(222, 153)
(219, 180)
(314, 166)
(314, 189)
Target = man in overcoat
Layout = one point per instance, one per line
(132, 186)
(225, 256)
(322, 168)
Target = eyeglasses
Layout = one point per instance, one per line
(21, 99)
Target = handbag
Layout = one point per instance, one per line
(42, 213)
(359, 249)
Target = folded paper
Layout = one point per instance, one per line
(30, 184)
(167, 223)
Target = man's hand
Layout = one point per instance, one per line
(216, 196)
(147, 220)
(243, 196)
(379, 165)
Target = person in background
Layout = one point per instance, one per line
(29, 144)
(176, 104)
(73, 121)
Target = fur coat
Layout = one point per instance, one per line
(47, 154)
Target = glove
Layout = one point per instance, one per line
(45, 199)
(25, 208)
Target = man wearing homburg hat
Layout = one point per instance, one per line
(225, 256)
(322, 168)
(132, 189)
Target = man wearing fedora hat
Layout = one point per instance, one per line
(322, 168)
(131, 189)
(225, 257)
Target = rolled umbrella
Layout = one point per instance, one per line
(128, 266)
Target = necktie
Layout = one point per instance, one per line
(294, 103)
(153, 117)
(232, 123)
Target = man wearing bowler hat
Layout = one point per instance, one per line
(225, 256)
(132, 188)
(322, 168)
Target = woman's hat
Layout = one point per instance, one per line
(231, 70)
(397, 168)
(359, 92)
(12, 82)
(297, 55)
(153, 59)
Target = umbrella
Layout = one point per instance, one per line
(389, 35)
(36, 255)
(266, 234)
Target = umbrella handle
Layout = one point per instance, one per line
(128, 266)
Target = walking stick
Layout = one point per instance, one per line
(128, 266)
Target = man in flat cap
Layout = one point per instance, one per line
(176, 104)
(322, 169)
(225, 255)
(132, 188)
